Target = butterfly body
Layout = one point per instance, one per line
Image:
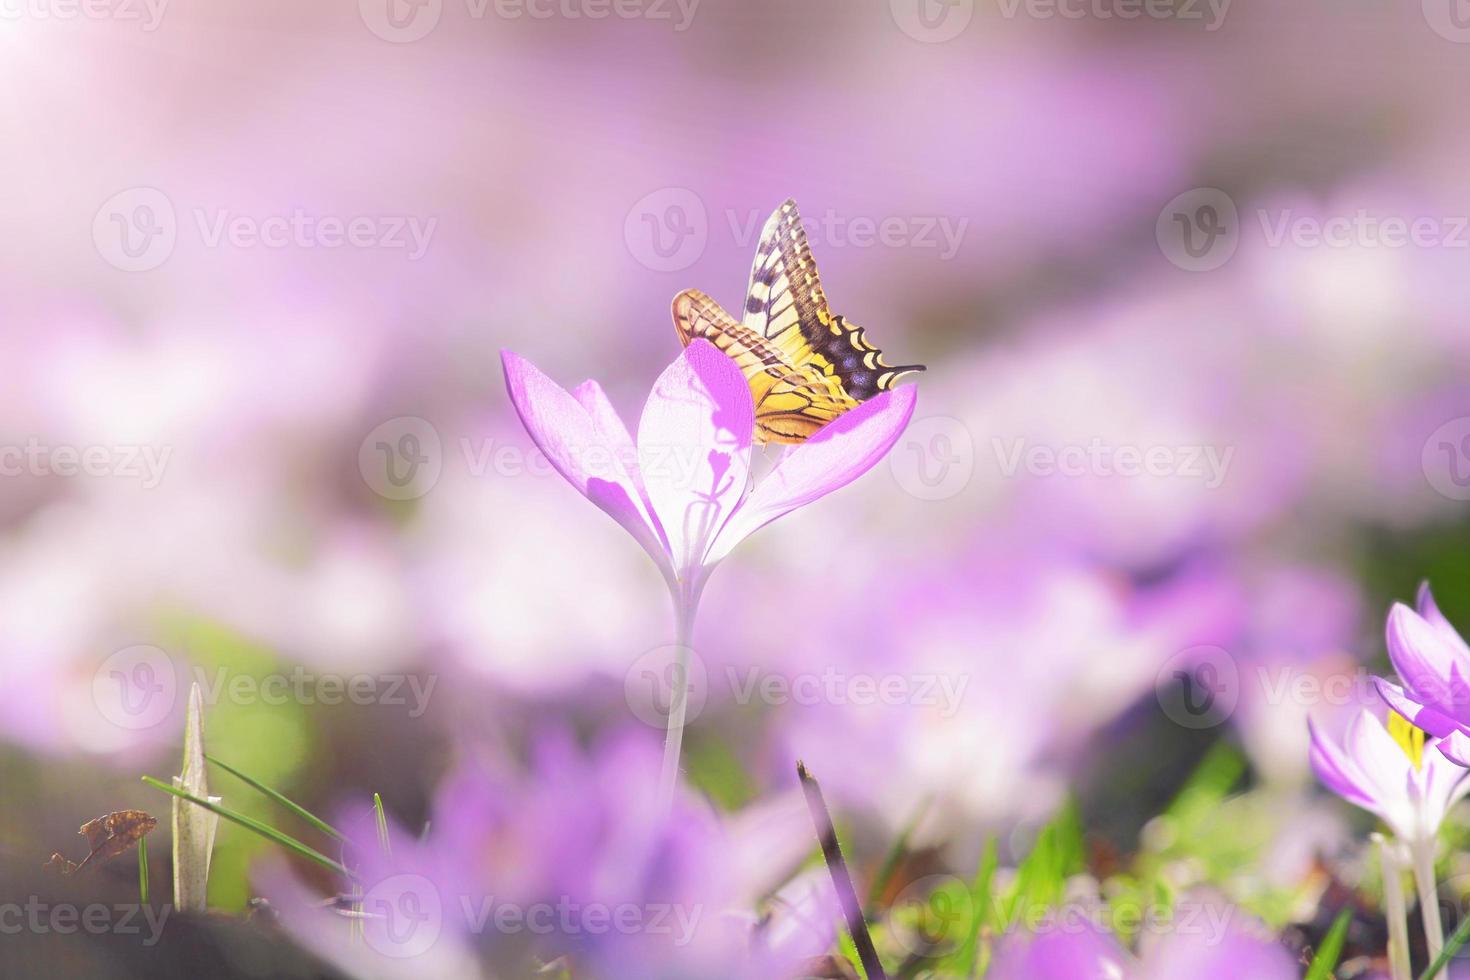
(805, 364)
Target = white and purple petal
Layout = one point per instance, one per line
(840, 452)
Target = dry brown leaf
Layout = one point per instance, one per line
(108, 836)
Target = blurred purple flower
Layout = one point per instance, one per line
(1433, 661)
(1228, 951)
(571, 857)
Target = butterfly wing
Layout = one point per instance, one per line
(792, 401)
(785, 304)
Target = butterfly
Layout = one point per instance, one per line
(805, 364)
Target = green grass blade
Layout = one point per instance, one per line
(249, 823)
(295, 808)
(382, 819)
(1327, 954)
(143, 870)
(1460, 938)
(984, 898)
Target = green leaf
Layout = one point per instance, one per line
(1460, 938)
(249, 823)
(143, 870)
(1327, 954)
(382, 820)
(981, 891)
(193, 829)
(280, 798)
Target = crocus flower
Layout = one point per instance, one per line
(1396, 773)
(683, 490)
(1433, 661)
(1392, 771)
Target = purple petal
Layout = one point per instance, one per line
(1456, 747)
(841, 451)
(1215, 947)
(609, 424)
(1434, 722)
(575, 444)
(1423, 659)
(1337, 772)
(694, 448)
(1429, 609)
(1085, 954)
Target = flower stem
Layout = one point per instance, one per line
(686, 603)
(1395, 907)
(1423, 855)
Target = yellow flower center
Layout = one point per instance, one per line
(1410, 739)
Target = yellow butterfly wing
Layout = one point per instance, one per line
(785, 303)
(805, 365)
(791, 401)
